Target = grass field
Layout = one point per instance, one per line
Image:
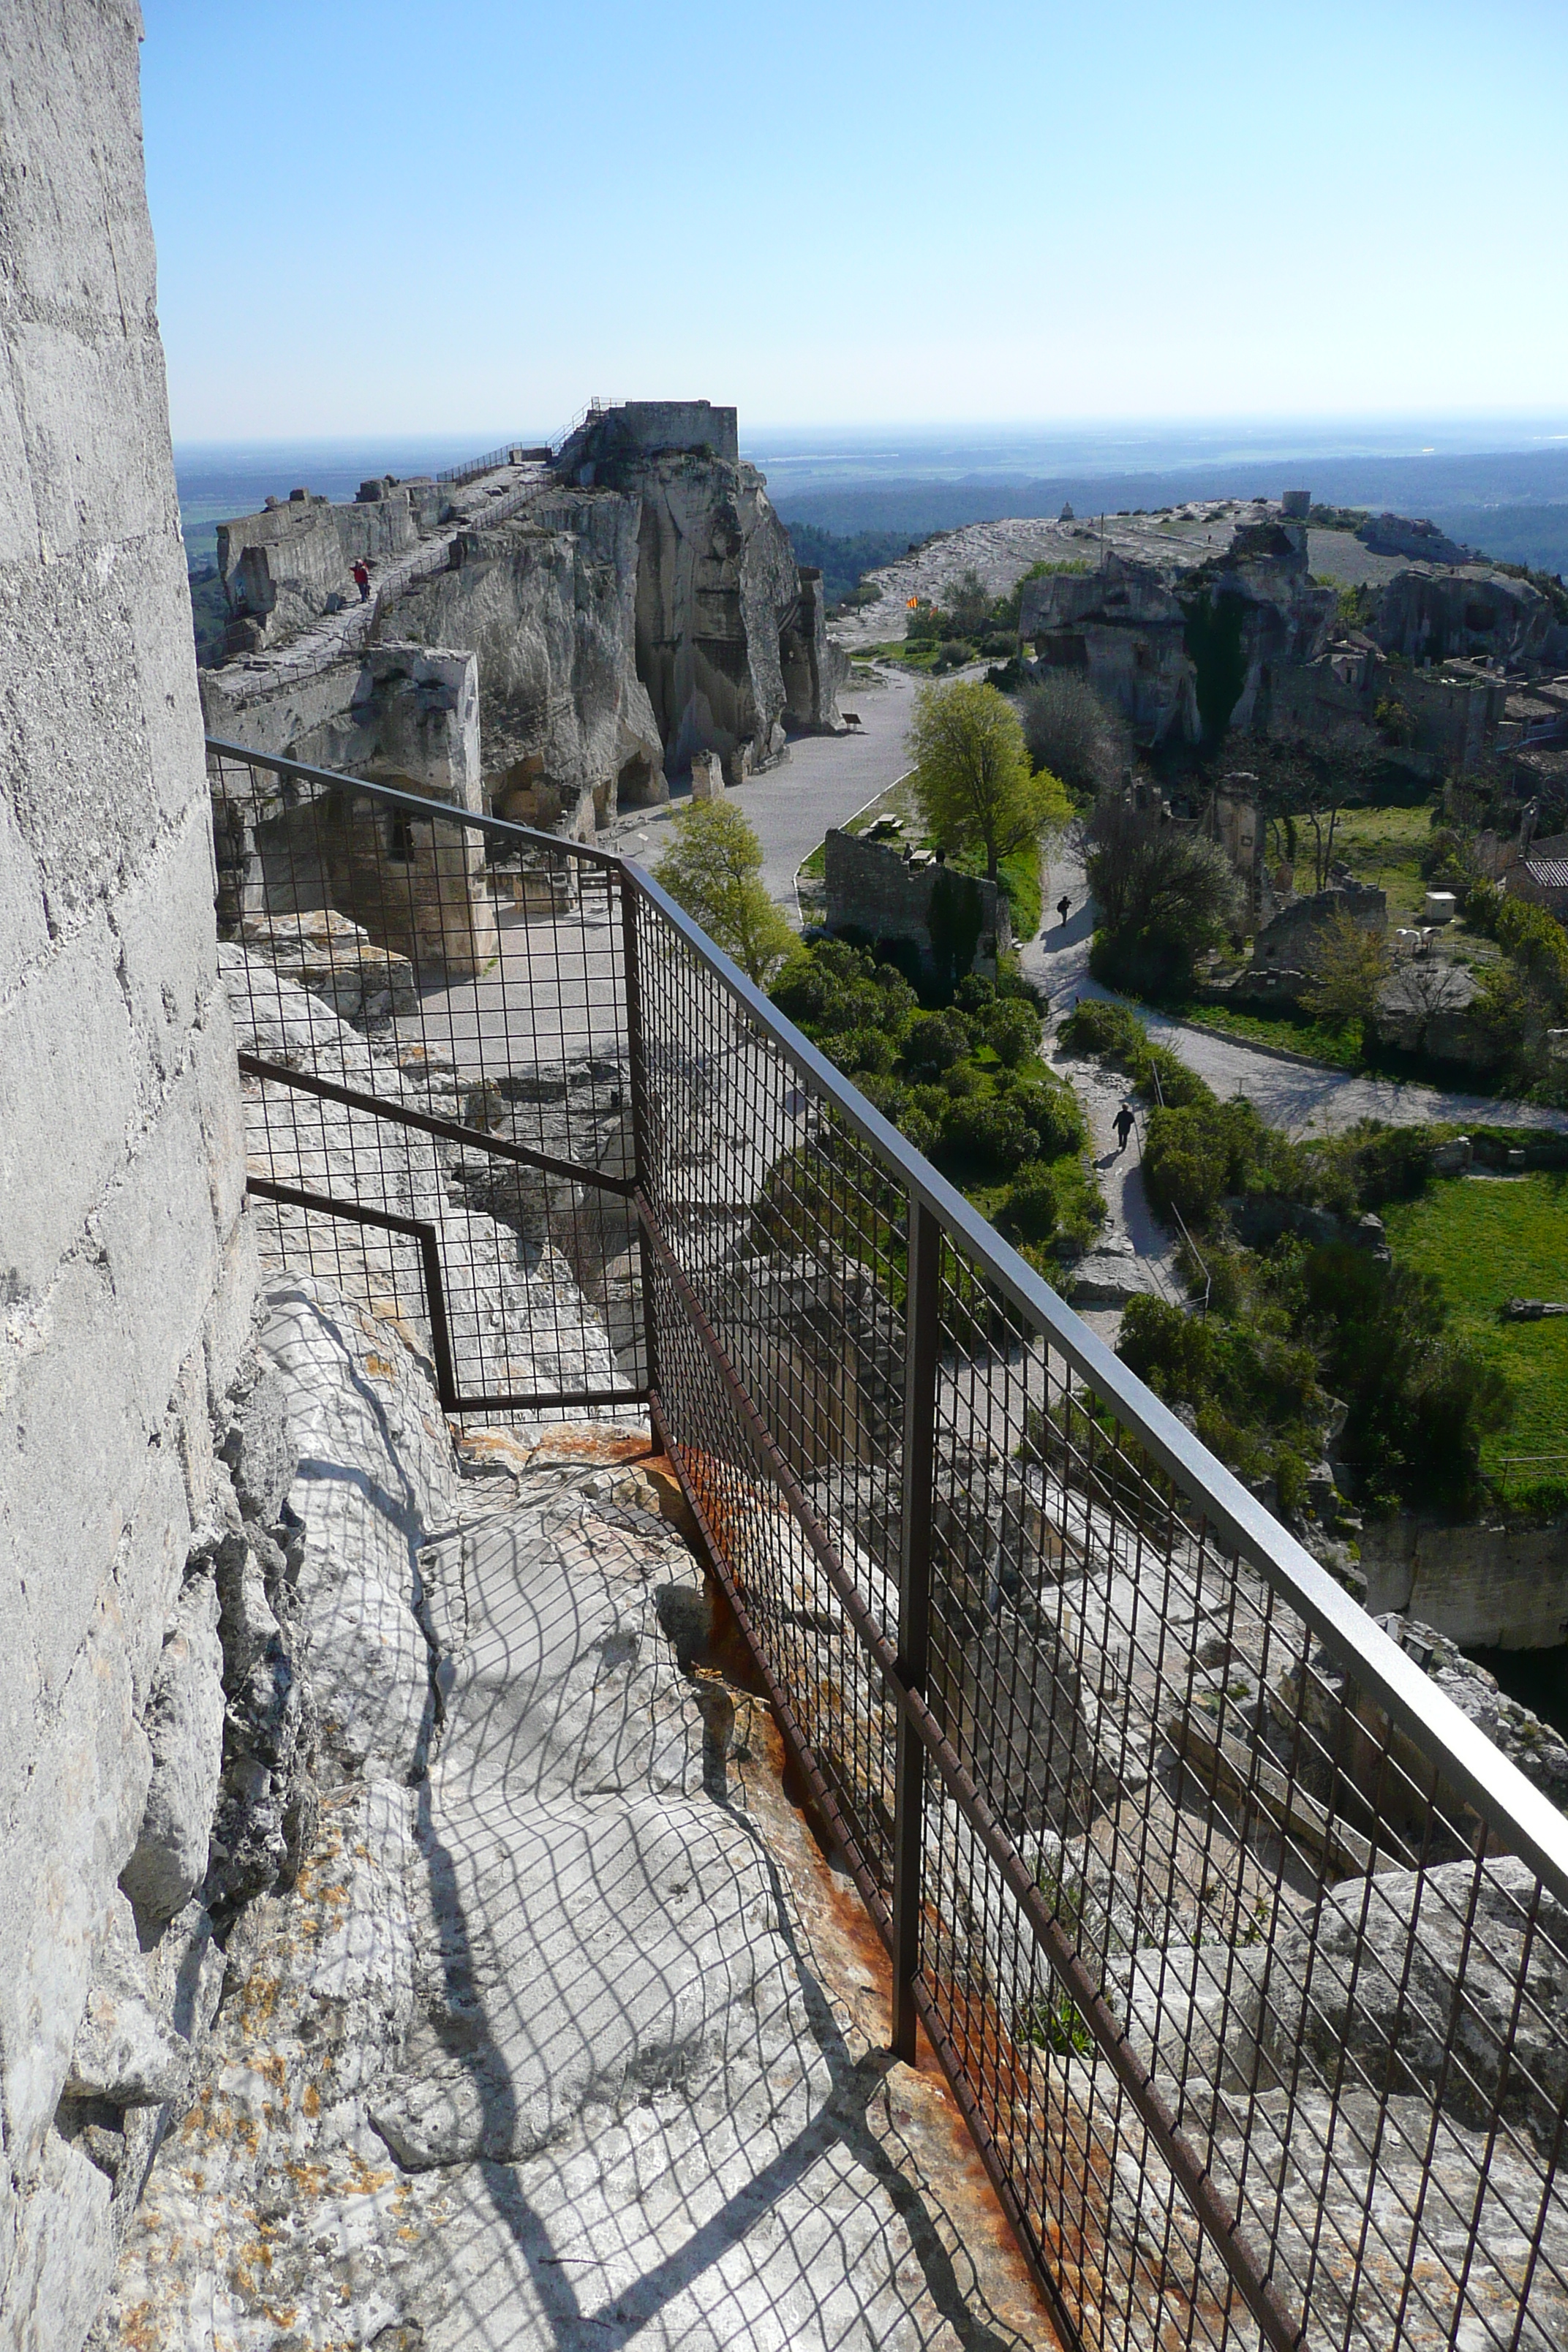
(1486, 1240)
(1382, 845)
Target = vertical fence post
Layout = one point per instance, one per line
(921, 1348)
(640, 1157)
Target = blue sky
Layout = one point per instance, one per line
(405, 218)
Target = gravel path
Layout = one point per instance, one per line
(824, 778)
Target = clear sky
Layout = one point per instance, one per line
(455, 215)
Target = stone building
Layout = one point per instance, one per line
(126, 1265)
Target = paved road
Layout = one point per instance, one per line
(1299, 1099)
(824, 780)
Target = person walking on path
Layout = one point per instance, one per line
(1063, 906)
(1124, 1125)
(361, 580)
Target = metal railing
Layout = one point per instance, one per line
(473, 468)
(1245, 1953)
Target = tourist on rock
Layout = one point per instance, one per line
(1124, 1125)
(1062, 906)
(361, 580)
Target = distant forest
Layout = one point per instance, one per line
(842, 561)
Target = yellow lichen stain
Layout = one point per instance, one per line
(379, 1368)
(310, 2101)
(274, 2069)
(140, 2329)
(366, 2180)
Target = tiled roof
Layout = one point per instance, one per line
(1546, 863)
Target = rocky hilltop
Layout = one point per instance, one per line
(628, 600)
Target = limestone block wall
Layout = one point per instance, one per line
(871, 889)
(126, 1287)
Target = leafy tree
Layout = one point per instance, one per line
(1164, 894)
(1350, 965)
(1072, 734)
(713, 869)
(972, 783)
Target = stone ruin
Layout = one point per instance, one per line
(630, 603)
(878, 895)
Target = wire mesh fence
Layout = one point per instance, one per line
(1246, 1954)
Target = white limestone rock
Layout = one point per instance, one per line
(184, 1723)
(125, 2054)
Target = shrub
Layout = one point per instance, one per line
(951, 654)
(833, 988)
(989, 1134)
(1055, 1116)
(1095, 1027)
(864, 1050)
(934, 1042)
(1013, 1031)
(1193, 1154)
(1030, 1210)
(1420, 1401)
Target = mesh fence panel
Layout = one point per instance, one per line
(467, 975)
(1257, 2012)
(1246, 1958)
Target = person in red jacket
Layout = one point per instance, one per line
(361, 580)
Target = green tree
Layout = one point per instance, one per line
(973, 784)
(713, 867)
(1349, 965)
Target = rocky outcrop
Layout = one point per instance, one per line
(543, 2031)
(548, 603)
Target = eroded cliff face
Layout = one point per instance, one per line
(546, 603)
(729, 640)
(634, 604)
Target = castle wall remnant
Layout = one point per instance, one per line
(126, 1280)
(875, 892)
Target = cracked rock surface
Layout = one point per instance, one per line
(542, 2048)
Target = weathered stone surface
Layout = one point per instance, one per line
(118, 1217)
(1379, 1976)
(125, 2052)
(537, 2040)
(184, 1723)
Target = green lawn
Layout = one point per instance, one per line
(1486, 1240)
(1383, 845)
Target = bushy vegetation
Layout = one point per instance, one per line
(963, 1081)
(1311, 1316)
(1165, 895)
(1071, 732)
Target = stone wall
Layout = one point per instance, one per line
(1498, 1587)
(871, 890)
(126, 1285)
